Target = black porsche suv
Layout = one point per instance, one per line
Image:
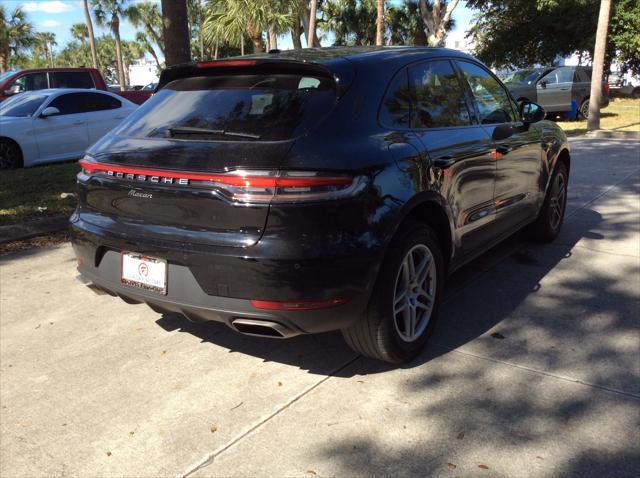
(316, 190)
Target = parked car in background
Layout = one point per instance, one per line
(316, 190)
(563, 89)
(56, 124)
(20, 81)
(150, 86)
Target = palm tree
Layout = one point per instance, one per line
(313, 11)
(16, 33)
(147, 15)
(380, 23)
(108, 14)
(144, 42)
(80, 32)
(593, 120)
(92, 38)
(45, 41)
(228, 21)
(176, 32)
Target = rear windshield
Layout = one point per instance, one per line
(21, 105)
(252, 107)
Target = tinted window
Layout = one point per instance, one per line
(492, 100)
(22, 105)
(31, 81)
(99, 102)
(72, 79)
(68, 104)
(396, 106)
(438, 96)
(234, 108)
(559, 75)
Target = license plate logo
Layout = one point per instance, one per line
(148, 273)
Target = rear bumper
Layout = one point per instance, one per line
(219, 283)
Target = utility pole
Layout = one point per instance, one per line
(593, 121)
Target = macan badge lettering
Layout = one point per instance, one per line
(150, 179)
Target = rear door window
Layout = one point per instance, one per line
(72, 79)
(438, 96)
(559, 75)
(98, 102)
(247, 107)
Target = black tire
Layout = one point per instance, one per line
(10, 155)
(377, 334)
(583, 111)
(549, 222)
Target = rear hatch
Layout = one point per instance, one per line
(200, 160)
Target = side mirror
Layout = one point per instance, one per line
(14, 90)
(531, 112)
(543, 83)
(49, 111)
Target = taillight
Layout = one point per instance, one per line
(244, 186)
(606, 89)
(285, 186)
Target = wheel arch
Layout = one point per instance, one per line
(431, 209)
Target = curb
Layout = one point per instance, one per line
(605, 133)
(32, 228)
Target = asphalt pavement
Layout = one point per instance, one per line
(533, 370)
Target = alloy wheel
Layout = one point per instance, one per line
(558, 201)
(415, 291)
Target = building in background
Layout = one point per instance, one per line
(143, 72)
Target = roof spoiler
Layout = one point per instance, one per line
(340, 71)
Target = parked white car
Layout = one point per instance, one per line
(55, 125)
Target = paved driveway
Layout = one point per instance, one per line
(534, 369)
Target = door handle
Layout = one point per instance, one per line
(564, 89)
(77, 122)
(120, 117)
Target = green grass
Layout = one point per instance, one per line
(620, 115)
(36, 192)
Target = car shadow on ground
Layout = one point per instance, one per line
(473, 305)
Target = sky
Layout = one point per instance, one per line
(57, 16)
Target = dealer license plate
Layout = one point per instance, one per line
(148, 273)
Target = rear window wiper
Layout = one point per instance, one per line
(196, 131)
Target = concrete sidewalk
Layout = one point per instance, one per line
(534, 369)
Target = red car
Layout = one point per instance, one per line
(19, 81)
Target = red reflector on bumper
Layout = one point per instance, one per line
(297, 305)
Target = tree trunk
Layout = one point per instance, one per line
(435, 19)
(241, 45)
(305, 28)
(296, 31)
(593, 122)
(126, 74)
(380, 24)
(158, 39)
(419, 37)
(115, 25)
(92, 39)
(4, 55)
(273, 39)
(215, 52)
(313, 10)
(154, 55)
(175, 32)
(255, 34)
